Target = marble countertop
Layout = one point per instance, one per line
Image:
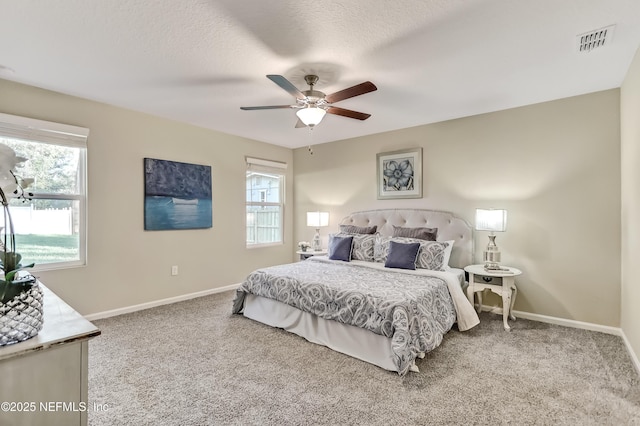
(62, 325)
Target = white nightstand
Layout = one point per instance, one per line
(500, 282)
(304, 255)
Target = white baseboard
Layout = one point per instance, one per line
(153, 304)
(558, 321)
(496, 310)
(570, 323)
(574, 324)
(632, 354)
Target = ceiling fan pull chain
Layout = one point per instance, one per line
(310, 139)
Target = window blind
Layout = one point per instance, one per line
(30, 129)
(269, 166)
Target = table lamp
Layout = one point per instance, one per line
(317, 220)
(493, 221)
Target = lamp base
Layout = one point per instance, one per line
(491, 255)
(316, 244)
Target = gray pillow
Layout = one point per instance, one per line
(353, 229)
(428, 234)
(432, 254)
(340, 247)
(402, 255)
(362, 246)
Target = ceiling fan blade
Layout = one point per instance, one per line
(358, 89)
(286, 85)
(300, 124)
(266, 107)
(348, 113)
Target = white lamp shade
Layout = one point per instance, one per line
(311, 116)
(491, 220)
(317, 219)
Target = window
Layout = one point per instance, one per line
(51, 228)
(265, 202)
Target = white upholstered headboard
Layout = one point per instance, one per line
(449, 227)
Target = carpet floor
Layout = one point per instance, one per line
(194, 363)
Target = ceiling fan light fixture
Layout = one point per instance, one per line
(311, 116)
(312, 105)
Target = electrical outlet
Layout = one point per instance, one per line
(174, 270)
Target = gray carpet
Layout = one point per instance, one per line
(193, 363)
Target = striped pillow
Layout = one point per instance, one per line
(429, 234)
(352, 229)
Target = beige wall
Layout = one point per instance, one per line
(554, 166)
(127, 265)
(630, 135)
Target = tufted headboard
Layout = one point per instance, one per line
(449, 227)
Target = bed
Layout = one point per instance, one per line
(365, 299)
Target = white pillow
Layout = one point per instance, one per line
(447, 253)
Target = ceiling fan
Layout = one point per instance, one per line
(312, 105)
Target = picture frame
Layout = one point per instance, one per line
(177, 195)
(399, 174)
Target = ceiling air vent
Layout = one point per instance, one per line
(594, 39)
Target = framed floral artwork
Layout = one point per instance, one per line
(400, 174)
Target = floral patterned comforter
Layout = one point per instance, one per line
(414, 311)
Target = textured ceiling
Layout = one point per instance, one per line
(198, 61)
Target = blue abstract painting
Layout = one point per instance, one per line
(176, 195)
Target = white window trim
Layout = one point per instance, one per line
(269, 166)
(251, 162)
(43, 131)
(31, 129)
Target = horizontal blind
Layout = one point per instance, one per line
(30, 129)
(267, 166)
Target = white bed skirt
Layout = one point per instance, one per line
(347, 339)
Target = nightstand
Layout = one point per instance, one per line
(500, 282)
(304, 255)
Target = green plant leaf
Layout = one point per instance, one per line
(9, 290)
(10, 260)
(8, 276)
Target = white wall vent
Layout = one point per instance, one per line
(594, 39)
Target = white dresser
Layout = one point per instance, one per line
(44, 380)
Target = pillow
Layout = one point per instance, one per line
(381, 248)
(352, 229)
(447, 253)
(430, 256)
(429, 234)
(340, 247)
(402, 255)
(362, 248)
